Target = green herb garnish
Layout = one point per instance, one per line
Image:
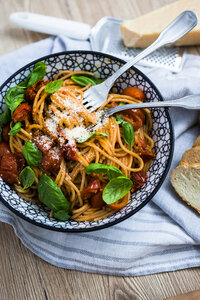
(27, 177)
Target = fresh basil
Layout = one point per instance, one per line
(92, 135)
(119, 119)
(122, 103)
(110, 171)
(14, 97)
(61, 215)
(27, 177)
(53, 86)
(51, 195)
(32, 154)
(85, 80)
(36, 74)
(97, 168)
(128, 133)
(5, 117)
(116, 189)
(15, 129)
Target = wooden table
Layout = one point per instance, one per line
(24, 276)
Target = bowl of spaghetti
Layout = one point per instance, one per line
(61, 166)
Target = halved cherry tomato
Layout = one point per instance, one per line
(119, 204)
(4, 148)
(92, 188)
(134, 116)
(145, 150)
(134, 92)
(139, 179)
(96, 200)
(21, 112)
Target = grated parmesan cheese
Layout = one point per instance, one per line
(52, 124)
(76, 133)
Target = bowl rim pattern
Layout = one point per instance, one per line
(162, 178)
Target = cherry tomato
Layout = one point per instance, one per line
(119, 204)
(134, 92)
(69, 150)
(139, 179)
(134, 116)
(97, 200)
(4, 148)
(21, 112)
(92, 188)
(31, 92)
(51, 161)
(145, 150)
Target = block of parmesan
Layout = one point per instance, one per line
(185, 179)
(144, 30)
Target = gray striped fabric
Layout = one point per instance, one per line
(163, 236)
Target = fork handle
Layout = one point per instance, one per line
(174, 31)
(189, 102)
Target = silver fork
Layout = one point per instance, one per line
(96, 95)
(189, 102)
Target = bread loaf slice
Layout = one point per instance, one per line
(197, 142)
(185, 179)
(143, 31)
(192, 155)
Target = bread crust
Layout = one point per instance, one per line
(181, 179)
(185, 178)
(192, 155)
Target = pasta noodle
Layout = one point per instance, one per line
(61, 116)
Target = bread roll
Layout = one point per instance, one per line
(186, 181)
(197, 142)
(192, 155)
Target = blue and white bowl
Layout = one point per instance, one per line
(102, 65)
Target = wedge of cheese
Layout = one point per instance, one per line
(144, 30)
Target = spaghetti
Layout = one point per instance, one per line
(57, 124)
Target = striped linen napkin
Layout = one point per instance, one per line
(164, 235)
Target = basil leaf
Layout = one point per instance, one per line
(61, 215)
(122, 103)
(119, 119)
(97, 80)
(85, 80)
(15, 129)
(51, 195)
(97, 168)
(36, 74)
(114, 172)
(100, 169)
(116, 189)
(5, 117)
(32, 154)
(92, 135)
(27, 177)
(14, 97)
(128, 133)
(53, 86)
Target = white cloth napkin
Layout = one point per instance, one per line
(164, 235)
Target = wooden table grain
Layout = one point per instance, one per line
(24, 276)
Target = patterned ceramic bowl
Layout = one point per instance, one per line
(102, 65)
